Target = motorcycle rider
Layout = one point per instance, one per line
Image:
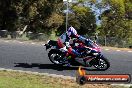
(64, 39)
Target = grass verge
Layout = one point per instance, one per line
(11, 79)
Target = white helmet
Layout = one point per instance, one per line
(71, 32)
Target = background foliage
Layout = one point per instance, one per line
(47, 16)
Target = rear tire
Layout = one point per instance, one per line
(54, 56)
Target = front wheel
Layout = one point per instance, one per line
(102, 63)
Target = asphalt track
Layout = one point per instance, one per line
(33, 57)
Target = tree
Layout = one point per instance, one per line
(86, 18)
(81, 18)
(8, 15)
(114, 20)
(37, 14)
(45, 16)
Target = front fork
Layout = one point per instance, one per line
(95, 60)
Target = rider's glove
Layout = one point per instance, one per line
(63, 49)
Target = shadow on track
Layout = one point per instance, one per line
(50, 66)
(45, 66)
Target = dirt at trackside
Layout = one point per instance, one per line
(72, 84)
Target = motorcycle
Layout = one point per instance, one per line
(91, 55)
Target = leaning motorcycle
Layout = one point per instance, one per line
(91, 55)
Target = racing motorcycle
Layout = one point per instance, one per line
(90, 55)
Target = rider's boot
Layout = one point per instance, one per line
(65, 61)
(68, 64)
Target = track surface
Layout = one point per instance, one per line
(33, 57)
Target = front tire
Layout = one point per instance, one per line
(102, 63)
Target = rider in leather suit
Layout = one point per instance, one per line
(63, 41)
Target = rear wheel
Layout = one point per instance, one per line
(55, 57)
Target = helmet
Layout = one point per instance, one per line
(71, 32)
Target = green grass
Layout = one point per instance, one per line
(23, 80)
(12, 79)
